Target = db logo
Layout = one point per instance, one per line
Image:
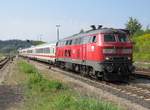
(92, 48)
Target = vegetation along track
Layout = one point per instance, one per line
(139, 94)
(135, 93)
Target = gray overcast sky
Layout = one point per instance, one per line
(32, 19)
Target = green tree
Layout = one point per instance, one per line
(133, 25)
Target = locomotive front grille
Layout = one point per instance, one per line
(117, 64)
(117, 60)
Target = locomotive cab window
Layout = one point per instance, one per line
(92, 39)
(109, 38)
(67, 42)
(123, 38)
(57, 44)
(70, 42)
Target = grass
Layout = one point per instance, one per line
(43, 94)
(1, 56)
(142, 57)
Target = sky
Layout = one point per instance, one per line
(37, 19)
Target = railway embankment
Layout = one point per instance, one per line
(10, 89)
(43, 93)
(92, 90)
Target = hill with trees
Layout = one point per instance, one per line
(11, 46)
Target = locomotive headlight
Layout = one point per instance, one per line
(109, 51)
(129, 58)
(107, 58)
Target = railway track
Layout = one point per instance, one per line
(3, 67)
(135, 93)
(3, 62)
(142, 74)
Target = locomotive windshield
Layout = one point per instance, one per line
(123, 38)
(109, 38)
(114, 38)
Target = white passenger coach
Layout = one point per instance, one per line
(44, 52)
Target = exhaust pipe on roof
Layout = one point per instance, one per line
(100, 26)
(93, 27)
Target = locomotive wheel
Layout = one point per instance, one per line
(91, 72)
(105, 76)
(84, 71)
(99, 75)
(77, 68)
(62, 65)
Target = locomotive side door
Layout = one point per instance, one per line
(84, 49)
(84, 52)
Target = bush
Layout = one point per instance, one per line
(36, 80)
(142, 48)
(27, 68)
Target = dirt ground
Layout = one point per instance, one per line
(10, 91)
(84, 89)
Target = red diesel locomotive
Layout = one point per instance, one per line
(104, 53)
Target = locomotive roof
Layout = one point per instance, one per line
(102, 30)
